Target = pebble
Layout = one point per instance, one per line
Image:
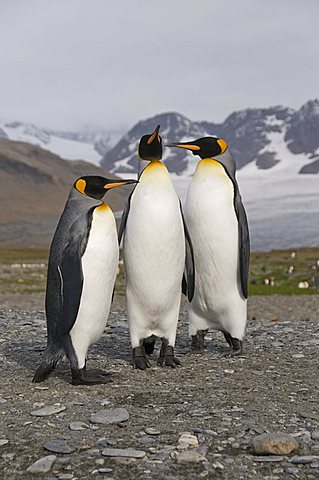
(268, 458)
(105, 470)
(78, 426)
(304, 459)
(105, 402)
(152, 431)
(315, 435)
(116, 415)
(58, 447)
(123, 452)
(188, 440)
(3, 441)
(43, 465)
(274, 443)
(65, 476)
(189, 456)
(48, 410)
(314, 465)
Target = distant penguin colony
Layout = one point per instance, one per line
(203, 252)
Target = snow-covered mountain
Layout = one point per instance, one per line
(260, 137)
(88, 144)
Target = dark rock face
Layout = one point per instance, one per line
(310, 167)
(302, 134)
(248, 132)
(174, 126)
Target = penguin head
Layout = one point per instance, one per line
(205, 147)
(150, 146)
(95, 186)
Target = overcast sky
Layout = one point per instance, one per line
(69, 63)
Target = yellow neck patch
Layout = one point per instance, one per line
(103, 207)
(212, 165)
(80, 186)
(155, 164)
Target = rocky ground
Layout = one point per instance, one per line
(193, 422)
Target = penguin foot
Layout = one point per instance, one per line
(237, 348)
(140, 361)
(198, 341)
(167, 357)
(82, 376)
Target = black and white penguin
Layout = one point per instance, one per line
(82, 269)
(217, 224)
(154, 258)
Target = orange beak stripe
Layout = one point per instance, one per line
(188, 147)
(154, 135)
(112, 185)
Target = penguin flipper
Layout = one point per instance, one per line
(71, 278)
(124, 216)
(188, 282)
(244, 242)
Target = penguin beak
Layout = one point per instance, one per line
(154, 135)
(186, 145)
(108, 186)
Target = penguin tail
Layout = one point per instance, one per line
(51, 356)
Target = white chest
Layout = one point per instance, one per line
(99, 267)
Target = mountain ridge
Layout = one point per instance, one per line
(250, 133)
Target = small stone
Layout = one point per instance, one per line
(58, 447)
(292, 470)
(152, 431)
(105, 470)
(3, 441)
(268, 458)
(123, 452)
(315, 435)
(189, 456)
(100, 461)
(48, 410)
(76, 426)
(314, 465)
(116, 415)
(274, 443)
(304, 459)
(188, 440)
(43, 465)
(105, 402)
(65, 476)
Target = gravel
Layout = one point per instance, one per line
(214, 405)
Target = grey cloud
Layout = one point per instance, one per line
(67, 63)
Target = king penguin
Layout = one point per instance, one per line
(217, 224)
(82, 269)
(156, 243)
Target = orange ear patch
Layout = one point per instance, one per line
(223, 145)
(80, 186)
